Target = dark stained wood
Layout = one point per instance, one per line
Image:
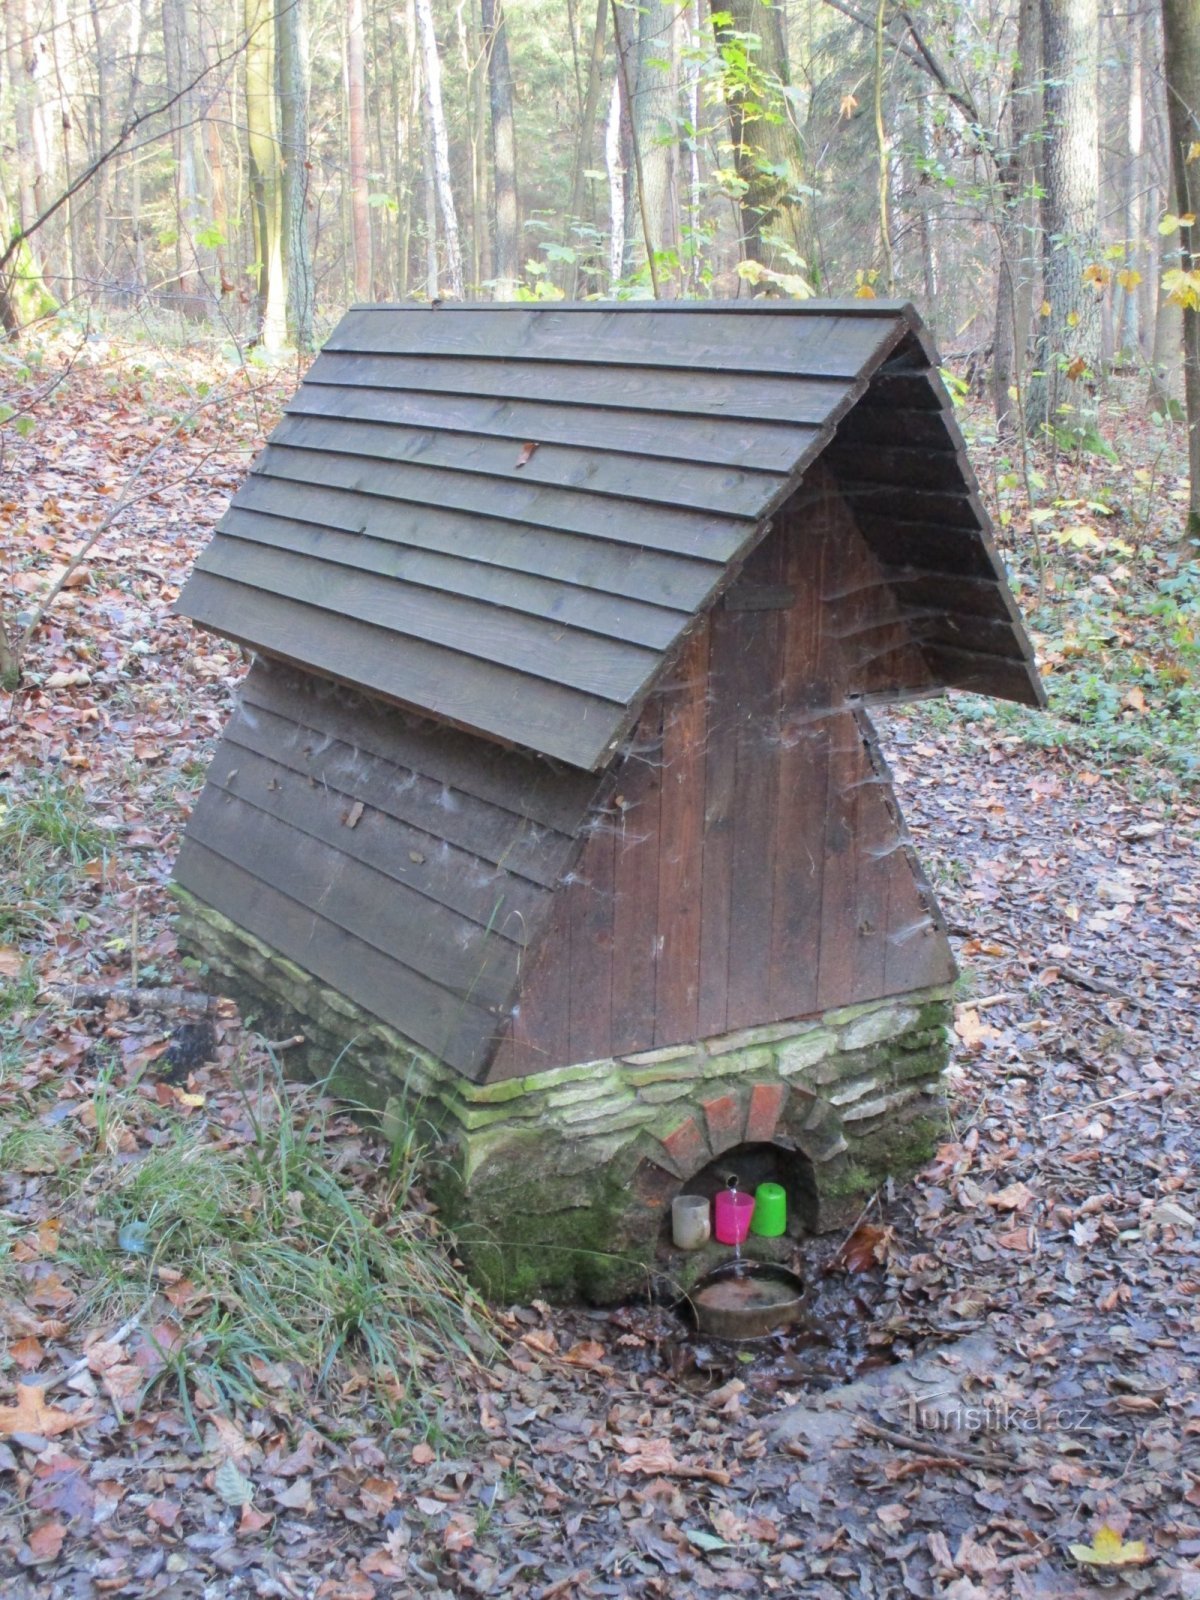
(457, 1032)
(721, 491)
(419, 802)
(589, 906)
(609, 669)
(721, 800)
(914, 466)
(989, 636)
(452, 952)
(513, 781)
(497, 899)
(743, 397)
(678, 532)
(948, 509)
(869, 425)
(681, 843)
(580, 563)
(637, 809)
(920, 590)
(810, 676)
(745, 862)
(781, 884)
(475, 693)
(759, 446)
(678, 582)
(930, 545)
(537, 1036)
(984, 674)
(755, 680)
(837, 344)
(585, 609)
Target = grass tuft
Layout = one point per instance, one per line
(283, 1257)
(47, 833)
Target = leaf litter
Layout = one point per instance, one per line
(593, 1453)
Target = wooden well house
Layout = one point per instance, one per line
(551, 802)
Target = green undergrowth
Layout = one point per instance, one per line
(1121, 668)
(48, 833)
(273, 1240)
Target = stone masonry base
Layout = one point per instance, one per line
(561, 1184)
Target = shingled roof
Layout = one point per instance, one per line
(507, 518)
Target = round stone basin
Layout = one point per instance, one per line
(747, 1300)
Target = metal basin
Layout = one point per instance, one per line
(747, 1300)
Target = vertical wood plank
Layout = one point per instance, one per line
(590, 899)
(681, 834)
(806, 685)
(720, 803)
(538, 1035)
(635, 886)
(756, 682)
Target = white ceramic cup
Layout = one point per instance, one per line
(691, 1221)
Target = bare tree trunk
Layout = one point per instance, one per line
(587, 135)
(1013, 171)
(616, 186)
(440, 148)
(1071, 332)
(266, 197)
(776, 227)
(359, 205)
(504, 151)
(1181, 60)
(102, 185)
(1128, 330)
(651, 64)
(292, 34)
(406, 142)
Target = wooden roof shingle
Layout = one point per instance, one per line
(508, 518)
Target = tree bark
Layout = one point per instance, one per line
(504, 151)
(179, 49)
(356, 95)
(1070, 333)
(776, 228)
(292, 35)
(584, 143)
(1181, 61)
(440, 148)
(266, 198)
(650, 56)
(1014, 168)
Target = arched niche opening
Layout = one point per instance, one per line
(757, 1163)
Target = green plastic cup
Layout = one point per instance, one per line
(770, 1211)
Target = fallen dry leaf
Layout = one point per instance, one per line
(31, 1414)
(1109, 1549)
(657, 1456)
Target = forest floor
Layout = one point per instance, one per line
(1002, 1393)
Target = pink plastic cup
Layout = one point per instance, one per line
(732, 1211)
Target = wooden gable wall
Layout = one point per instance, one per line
(750, 865)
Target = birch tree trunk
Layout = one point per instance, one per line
(1070, 334)
(504, 151)
(292, 33)
(440, 144)
(1181, 60)
(617, 177)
